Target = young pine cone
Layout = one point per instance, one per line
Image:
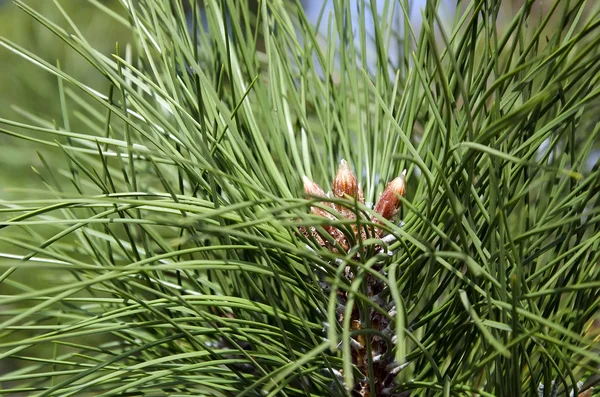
(345, 185)
(382, 370)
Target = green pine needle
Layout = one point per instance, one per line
(158, 249)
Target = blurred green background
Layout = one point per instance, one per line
(25, 86)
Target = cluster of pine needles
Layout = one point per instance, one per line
(158, 252)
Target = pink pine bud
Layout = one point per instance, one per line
(311, 188)
(389, 202)
(345, 183)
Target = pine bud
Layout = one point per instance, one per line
(388, 204)
(311, 188)
(345, 182)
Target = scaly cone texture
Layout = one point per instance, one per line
(345, 186)
(388, 204)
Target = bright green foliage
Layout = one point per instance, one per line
(165, 232)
